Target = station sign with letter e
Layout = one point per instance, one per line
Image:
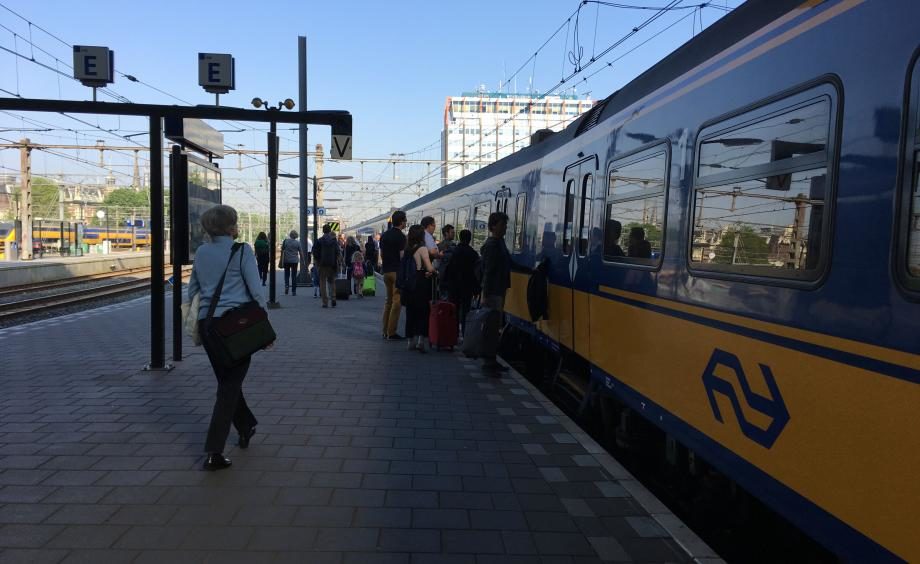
(341, 147)
(93, 66)
(216, 72)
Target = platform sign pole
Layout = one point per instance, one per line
(303, 278)
(272, 211)
(25, 201)
(157, 270)
(174, 254)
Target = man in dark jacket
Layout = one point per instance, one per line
(370, 255)
(328, 257)
(460, 275)
(496, 278)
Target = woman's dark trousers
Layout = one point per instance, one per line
(230, 406)
(263, 267)
(290, 277)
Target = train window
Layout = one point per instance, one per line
(481, 223)
(761, 190)
(913, 233)
(634, 222)
(587, 184)
(463, 219)
(569, 214)
(520, 214)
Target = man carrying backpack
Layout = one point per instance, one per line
(328, 255)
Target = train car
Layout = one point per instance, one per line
(732, 241)
(46, 237)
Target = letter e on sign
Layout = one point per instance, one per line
(93, 65)
(341, 147)
(216, 72)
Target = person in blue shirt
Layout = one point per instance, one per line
(241, 285)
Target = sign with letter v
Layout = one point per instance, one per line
(341, 147)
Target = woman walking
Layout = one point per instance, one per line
(291, 254)
(351, 247)
(229, 271)
(262, 255)
(418, 306)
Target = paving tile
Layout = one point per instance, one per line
(409, 540)
(440, 519)
(473, 542)
(88, 536)
(400, 517)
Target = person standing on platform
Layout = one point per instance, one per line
(370, 256)
(328, 256)
(428, 224)
(461, 277)
(351, 247)
(418, 302)
(496, 279)
(215, 261)
(446, 248)
(392, 245)
(291, 255)
(262, 255)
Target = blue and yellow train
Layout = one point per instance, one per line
(47, 237)
(734, 249)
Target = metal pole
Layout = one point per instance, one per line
(174, 254)
(272, 209)
(303, 278)
(157, 270)
(315, 212)
(25, 200)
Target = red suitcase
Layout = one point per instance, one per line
(442, 325)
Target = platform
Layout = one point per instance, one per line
(15, 273)
(365, 453)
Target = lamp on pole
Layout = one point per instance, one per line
(272, 192)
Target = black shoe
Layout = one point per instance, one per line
(286, 290)
(395, 337)
(216, 462)
(325, 306)
(293, 293)
(245, 437)
(494, 367)
(333, 303)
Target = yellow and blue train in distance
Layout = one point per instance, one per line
(733, 242)
(46, 237)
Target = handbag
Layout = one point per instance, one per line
(241, 331)
(190, 318)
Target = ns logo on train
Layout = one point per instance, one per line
(773, 407)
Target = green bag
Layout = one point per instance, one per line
(370, 286)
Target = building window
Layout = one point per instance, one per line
(761, 190)
(520, 215)
(636, 199)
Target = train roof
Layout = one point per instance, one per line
(728, 30)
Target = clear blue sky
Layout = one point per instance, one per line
(391, 64)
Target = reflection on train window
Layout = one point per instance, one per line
(463, 219)
(759, 204)
(790, 135)
(519, 217)
(569, 214)
(634, 226)
(480, 224)
(450, 217)
(749, 223)
(587, 183)
(913, 246)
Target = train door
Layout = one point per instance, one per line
(579, 179)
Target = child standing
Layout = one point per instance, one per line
(314, 273)
(357, 272)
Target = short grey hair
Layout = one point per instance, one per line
(292, 234)
(219, 220)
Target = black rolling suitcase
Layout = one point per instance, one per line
(342, 286)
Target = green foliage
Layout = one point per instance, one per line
(128, 197)
(752, 248)
(44, 197)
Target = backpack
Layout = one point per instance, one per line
(357, 270)
(327, 252)
(405, 276)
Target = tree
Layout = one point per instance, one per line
(751, 248)
(44, 197)
(128, 198)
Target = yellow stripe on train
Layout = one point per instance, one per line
(852, 442)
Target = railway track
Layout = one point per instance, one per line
(41, 286)
(20, 308)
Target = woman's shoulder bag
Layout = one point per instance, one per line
(241, 331)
